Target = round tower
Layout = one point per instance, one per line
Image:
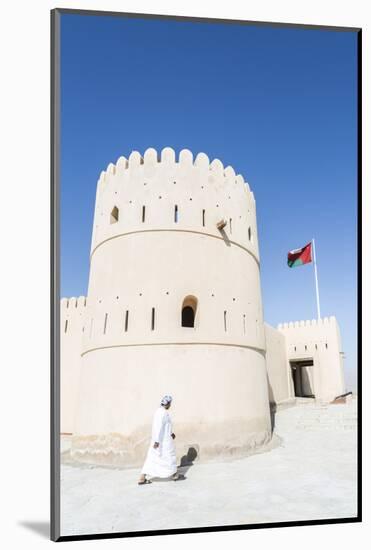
(173, 307)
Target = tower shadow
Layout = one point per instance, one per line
(272, 405)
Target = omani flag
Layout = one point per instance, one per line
(300, 256)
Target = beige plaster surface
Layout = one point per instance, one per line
(280, 384)
(220, 400)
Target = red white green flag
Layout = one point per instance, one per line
(300, 256)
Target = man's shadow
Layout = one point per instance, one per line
(185, 464)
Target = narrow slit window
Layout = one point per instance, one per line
(126, 320)
(153, 319)
(225, 321)
(66, 325)
(326, 346)
(203, 218)
(305, 347)
(230, 225)
(114, 218)
(176, 213)
(143, 214)
(249, 233)
(105, 323)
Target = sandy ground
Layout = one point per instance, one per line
(310, 474)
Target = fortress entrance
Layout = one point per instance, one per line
(302, 376)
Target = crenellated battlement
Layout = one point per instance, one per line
(167, 157)
(73, 303)
(308, 323)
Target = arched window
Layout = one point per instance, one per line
(114, 215)
(189, 308)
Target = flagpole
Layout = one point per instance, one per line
(316, 278)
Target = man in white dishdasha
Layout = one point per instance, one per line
(161, 457)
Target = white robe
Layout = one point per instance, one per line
(161, 462)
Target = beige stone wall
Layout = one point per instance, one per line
(319, 340)
(220, 400)
(278, 369)
(72, 316)
(144, 264)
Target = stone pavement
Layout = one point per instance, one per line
(310, 474)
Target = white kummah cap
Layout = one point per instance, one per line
(166, 400)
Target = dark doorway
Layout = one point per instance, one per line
(302, 376)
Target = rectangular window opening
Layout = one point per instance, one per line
(143, 214)
(176, 213)
(203, 218)
(105, 323)
(230, 225)
(225, 321)
(66, 325)
(153, 319)
(126, 320)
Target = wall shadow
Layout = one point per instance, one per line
(272, 405)
(273, 410)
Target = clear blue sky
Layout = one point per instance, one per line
(277, 104)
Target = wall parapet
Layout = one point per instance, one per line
(168, 157)
(307, 323)
(69, 304)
